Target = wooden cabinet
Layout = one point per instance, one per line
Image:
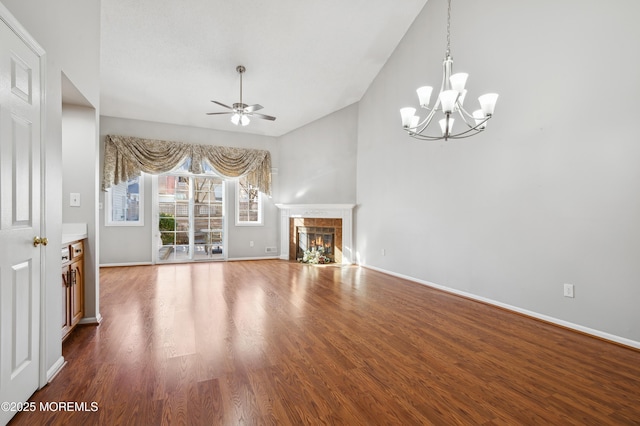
(72, 286)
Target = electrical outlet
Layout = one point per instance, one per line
(384, 252)
(250, 243)
(568, 290)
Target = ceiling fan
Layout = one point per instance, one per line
(240, 111)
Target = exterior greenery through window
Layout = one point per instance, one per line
(124, 203)
(248, 203)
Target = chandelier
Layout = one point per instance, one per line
(448, 105)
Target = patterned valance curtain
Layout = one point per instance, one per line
(125, 157)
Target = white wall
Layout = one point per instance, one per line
(549, 194)
(131, 245)
(69, 32)
(80, 175)
(318, 161)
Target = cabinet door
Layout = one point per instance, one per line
(66, 320)
(77, 292)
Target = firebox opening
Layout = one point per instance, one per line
(316, 239)
(312, 233)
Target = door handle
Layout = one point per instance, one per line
(37, 241)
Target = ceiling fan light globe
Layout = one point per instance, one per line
(235, 119)
(245, 120)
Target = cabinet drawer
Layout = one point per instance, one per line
(77, 249)
(65, 255)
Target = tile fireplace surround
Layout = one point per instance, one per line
(318, 211)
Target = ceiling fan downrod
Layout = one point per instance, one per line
(241, 69)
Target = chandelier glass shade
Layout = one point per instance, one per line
(449, 105)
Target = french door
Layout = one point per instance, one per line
(190, 218)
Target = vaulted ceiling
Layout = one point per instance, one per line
(165, 60)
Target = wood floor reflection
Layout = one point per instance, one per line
(276, 342)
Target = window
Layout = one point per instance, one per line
(124, 203)
(248, 204)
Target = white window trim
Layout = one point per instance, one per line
(109, 205)
(260, 221)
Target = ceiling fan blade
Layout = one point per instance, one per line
(219, 113)
(221, 104)
(266, 117)
(252, 108)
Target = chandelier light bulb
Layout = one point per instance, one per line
(446, 130)
(407, 115)
(424, 95)
(488, 103)
(458, 81)
(479, 116)
(448, 99)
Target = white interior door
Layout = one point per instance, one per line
(20, 197)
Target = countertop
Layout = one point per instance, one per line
(73, 232)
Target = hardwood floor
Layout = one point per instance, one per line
(275, 342)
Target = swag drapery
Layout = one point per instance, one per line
(125, 157)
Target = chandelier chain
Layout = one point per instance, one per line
(449, 28)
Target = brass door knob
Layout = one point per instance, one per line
(37, 241)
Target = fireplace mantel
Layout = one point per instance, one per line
(335, 211)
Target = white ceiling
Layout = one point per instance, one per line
(165, 60)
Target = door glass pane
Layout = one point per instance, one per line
(207, 216)
(191, 217)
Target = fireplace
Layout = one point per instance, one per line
(315, 234)
(304, 226)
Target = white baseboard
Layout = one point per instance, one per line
(91, 320)
(231, 259)
(55, 368)
(110, 265)
(234, 259)
(586, 330)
